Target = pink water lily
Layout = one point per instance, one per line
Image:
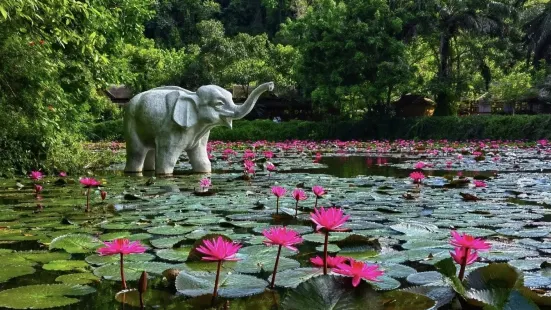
(89, 182)
(479, 183)
(466, 250)
(205, 183)
(419, 165)
(62, 174)
(218, 250)
(281, 237)
(278, 191)
(121, 247)
(458, 256)
(359, 270)
(298, 194)
(416, 176)
(328, 220)
(468, 241)
(36, 175)
(332, 261)
(319, 191)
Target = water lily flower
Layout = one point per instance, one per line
(328, 220)
(218, 250)
(458, 256)
(269, 154)
(298, 194)
(468, 241)
(205, 183)
(89, 183)
(121, 247)
(103, 195)
(419, 165)
(278, 191)
(319, 191)
(417, 177)
(63, 174)
(359, 270)
(36, 175)
(282, 237)
(466, 244)
(332, 261)
(479, 183)
(37, 189)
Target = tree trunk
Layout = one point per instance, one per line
(443, 98)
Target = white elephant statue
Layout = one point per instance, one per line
(163, 122)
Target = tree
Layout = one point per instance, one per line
(537, 26)
(350, 53)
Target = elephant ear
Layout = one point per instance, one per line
(184, 105)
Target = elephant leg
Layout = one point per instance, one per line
(134, 159)
(198, 156)
(135, 154)
(166, 156)
(149, 164)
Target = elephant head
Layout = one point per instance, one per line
(211, 105)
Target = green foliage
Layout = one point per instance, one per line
(517, 127)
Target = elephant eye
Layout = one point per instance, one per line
(218, 103)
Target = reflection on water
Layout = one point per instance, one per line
(353, 166)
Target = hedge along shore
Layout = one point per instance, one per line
(517, 127)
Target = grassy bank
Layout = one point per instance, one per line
(530, 127)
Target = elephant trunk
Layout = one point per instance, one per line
(246, 107)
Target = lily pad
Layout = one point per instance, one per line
(78, 278)
(291, 278)
(231, 285)
(66, 265)
(334, 292)
(132, 270)
(96, 259)
(14, 271)
(76, 243)
(42, 296)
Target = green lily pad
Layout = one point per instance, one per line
(96, 259)
(114, 235)
(165, 243)
(178, 255)
(66, 265)
(424, 278)
(76, 243)
(78, 278)
(132, 270)
(170, 230)
(232, 285)
(333, 292)
(42, 296)
(397, 271)
(14, 271)
(264, 261)
(291, 278)
(331, 248)
(415, 228)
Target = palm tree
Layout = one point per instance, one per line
(458, 16)
(537, 28)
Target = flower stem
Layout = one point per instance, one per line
(122, 273)
(277, 205)
(215, 293)
(463, 265)
(296, 208)
(325, 252)
(275, 267)
(141, 301)
(316, 204)
(88, 200)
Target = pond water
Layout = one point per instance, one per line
(401, 226)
